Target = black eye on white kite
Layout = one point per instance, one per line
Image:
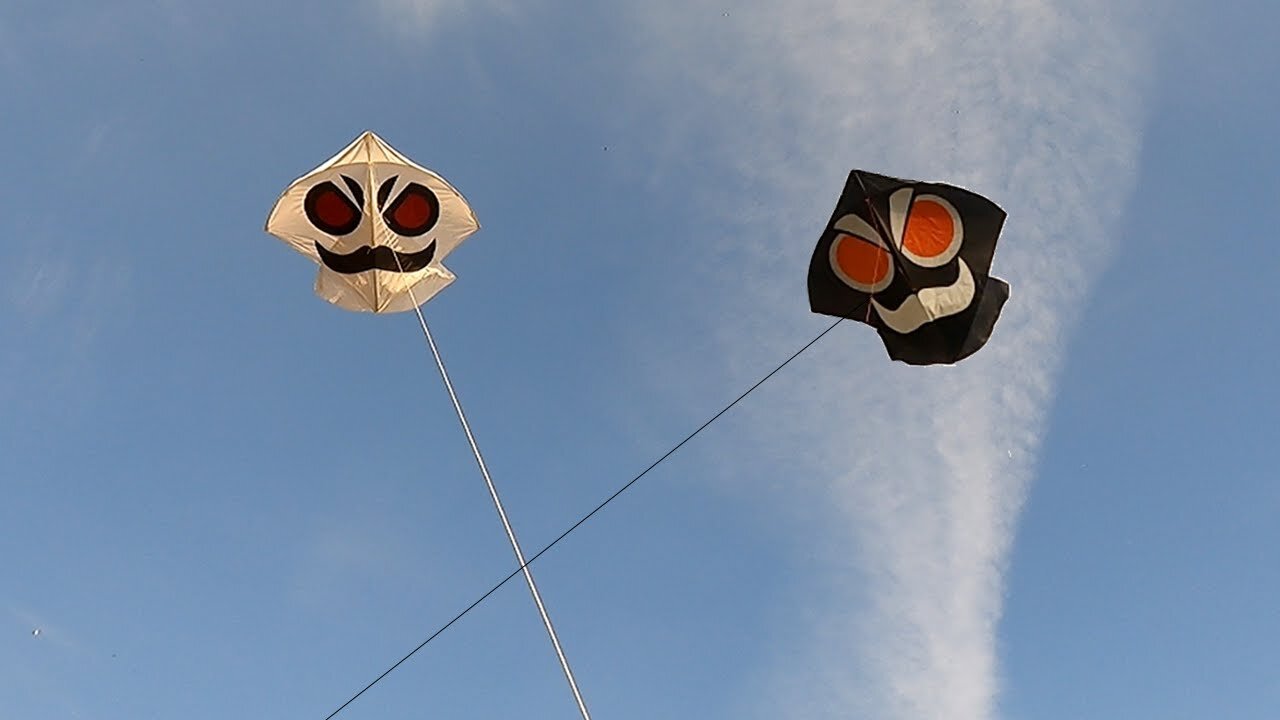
(331, 211)
(374, 259)
(414, 211)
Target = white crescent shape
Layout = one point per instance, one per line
(929, 304)
(899, 207)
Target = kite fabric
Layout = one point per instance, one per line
(378, 226)
(912, 260)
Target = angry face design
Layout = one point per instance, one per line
(377, 225)
(911, 259)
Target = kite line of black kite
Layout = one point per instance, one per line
(525, 564)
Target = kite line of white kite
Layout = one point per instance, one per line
(524, 564)
(506, 524)
(502, 513)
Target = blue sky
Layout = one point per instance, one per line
(223, 497)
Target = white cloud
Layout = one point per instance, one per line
(1036, 104)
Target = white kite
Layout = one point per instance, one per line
(377, 224)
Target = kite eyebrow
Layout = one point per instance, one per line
(357, 192)
(384, 191)
(853, 224)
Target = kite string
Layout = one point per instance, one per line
(497, 503)
(524, 564)
(506, 524)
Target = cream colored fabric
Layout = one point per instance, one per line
(370, 162)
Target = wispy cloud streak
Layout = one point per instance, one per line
(1034, 103)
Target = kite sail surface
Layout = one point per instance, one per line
(378, 226)
(912, 260)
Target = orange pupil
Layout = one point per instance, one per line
(930, 229)
(861, 261)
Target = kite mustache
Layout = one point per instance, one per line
(929, 304)
(381, 257)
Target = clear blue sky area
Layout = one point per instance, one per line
(222, 497)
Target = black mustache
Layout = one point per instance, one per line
(376, 258)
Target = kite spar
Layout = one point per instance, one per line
(378, 225)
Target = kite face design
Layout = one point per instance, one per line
(376, 224)
(911, 259)
(414, 212)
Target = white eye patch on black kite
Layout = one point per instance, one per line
(911, 259)
(377, 225)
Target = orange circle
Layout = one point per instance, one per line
(860, 260)
(930, 229)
